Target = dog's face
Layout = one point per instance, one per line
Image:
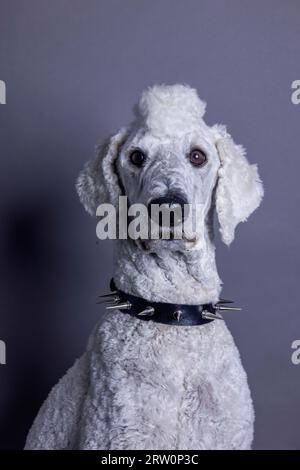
(176, 170)
(185, 167)
(169, 155)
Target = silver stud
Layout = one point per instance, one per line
(220, 307)
(177, 314)
(112, 299)
(120, 306)
(211, 316)
(148, 312)
(108, 295)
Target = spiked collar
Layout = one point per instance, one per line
(160, 312)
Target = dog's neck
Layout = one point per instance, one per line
(188, 277)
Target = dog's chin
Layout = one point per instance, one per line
(168, 245)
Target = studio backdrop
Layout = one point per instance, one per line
(70, 71)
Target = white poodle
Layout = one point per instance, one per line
(161, 381)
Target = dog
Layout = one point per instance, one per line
(165, 382)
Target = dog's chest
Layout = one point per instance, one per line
(152, 386)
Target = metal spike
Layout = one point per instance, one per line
(220, 307)
(109, 295)
(177, 314)
(224, 301)
(104, 300)
(121, 306)
(149, 311)
(211, 316)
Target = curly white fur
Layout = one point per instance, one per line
(143, 385)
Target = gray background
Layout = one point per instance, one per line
(73, 69)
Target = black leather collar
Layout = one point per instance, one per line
(160, 312)
(169, 314)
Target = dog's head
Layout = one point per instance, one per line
(169, 155)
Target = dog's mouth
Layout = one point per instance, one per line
(167, 239)
(170, 227)
(170, 234)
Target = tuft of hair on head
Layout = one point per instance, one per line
(168, 109)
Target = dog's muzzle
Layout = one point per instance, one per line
(172, 202)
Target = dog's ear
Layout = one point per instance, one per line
(239, 189)
(98, 182)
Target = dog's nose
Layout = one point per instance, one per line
(172, 203)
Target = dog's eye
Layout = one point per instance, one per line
(197, 157)
(137, 157)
